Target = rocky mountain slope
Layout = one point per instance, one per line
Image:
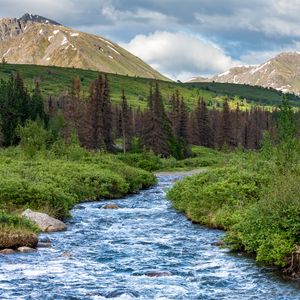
(281, 72)
(33, 39)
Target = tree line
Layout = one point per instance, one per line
(167, 128)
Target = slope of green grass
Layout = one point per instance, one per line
(57, 80)
(256, 94)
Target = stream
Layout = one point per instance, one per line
(144, 250)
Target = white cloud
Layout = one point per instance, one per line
(272, 18)
(136, 15)
(178, 55)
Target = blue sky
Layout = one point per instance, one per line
(180, 38)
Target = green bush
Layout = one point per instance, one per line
(33, 137)
(146, 160)
(212, 197)
(271, 227)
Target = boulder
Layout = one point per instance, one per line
(7, 251)
(26, 249)
(110, 206)
(44, 222)
(13, 240)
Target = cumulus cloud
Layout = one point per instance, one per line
(178, 55)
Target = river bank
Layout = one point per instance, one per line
(254, 201)
(54, 183)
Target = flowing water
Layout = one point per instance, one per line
(111, 253)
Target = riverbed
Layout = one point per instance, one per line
(143, 250)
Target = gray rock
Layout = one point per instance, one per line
(44, 222)
(7, 251)
(26, 249)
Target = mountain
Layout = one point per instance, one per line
(281, 73)
(33, 39)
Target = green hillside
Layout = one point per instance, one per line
(256, 94)
(57, 80)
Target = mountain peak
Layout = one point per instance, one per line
(281, 72)
(33, 39)
(37, 19)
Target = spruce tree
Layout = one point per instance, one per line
(227, 135)
(157, 134)
(16, 107)
(107, 121)
(203, 128)
(126, 123)
(95, 114)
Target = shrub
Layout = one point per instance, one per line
(33, 137)
(271, 226)
(54, 185)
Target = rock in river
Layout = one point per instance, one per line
(158, 273)
(44, 222)
(26, 249)
(110, 206)
(7, 251)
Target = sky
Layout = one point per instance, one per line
(180, 38)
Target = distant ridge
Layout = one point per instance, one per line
(281, 73)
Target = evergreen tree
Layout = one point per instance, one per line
(126, 123)
(157, 134)
(107, 121)
(226, 129)
(16, 107)
(182, 132)
(203, 129)
(95, 114)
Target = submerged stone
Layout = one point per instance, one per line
(110, 206)
(119, 293)
(158, 273)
